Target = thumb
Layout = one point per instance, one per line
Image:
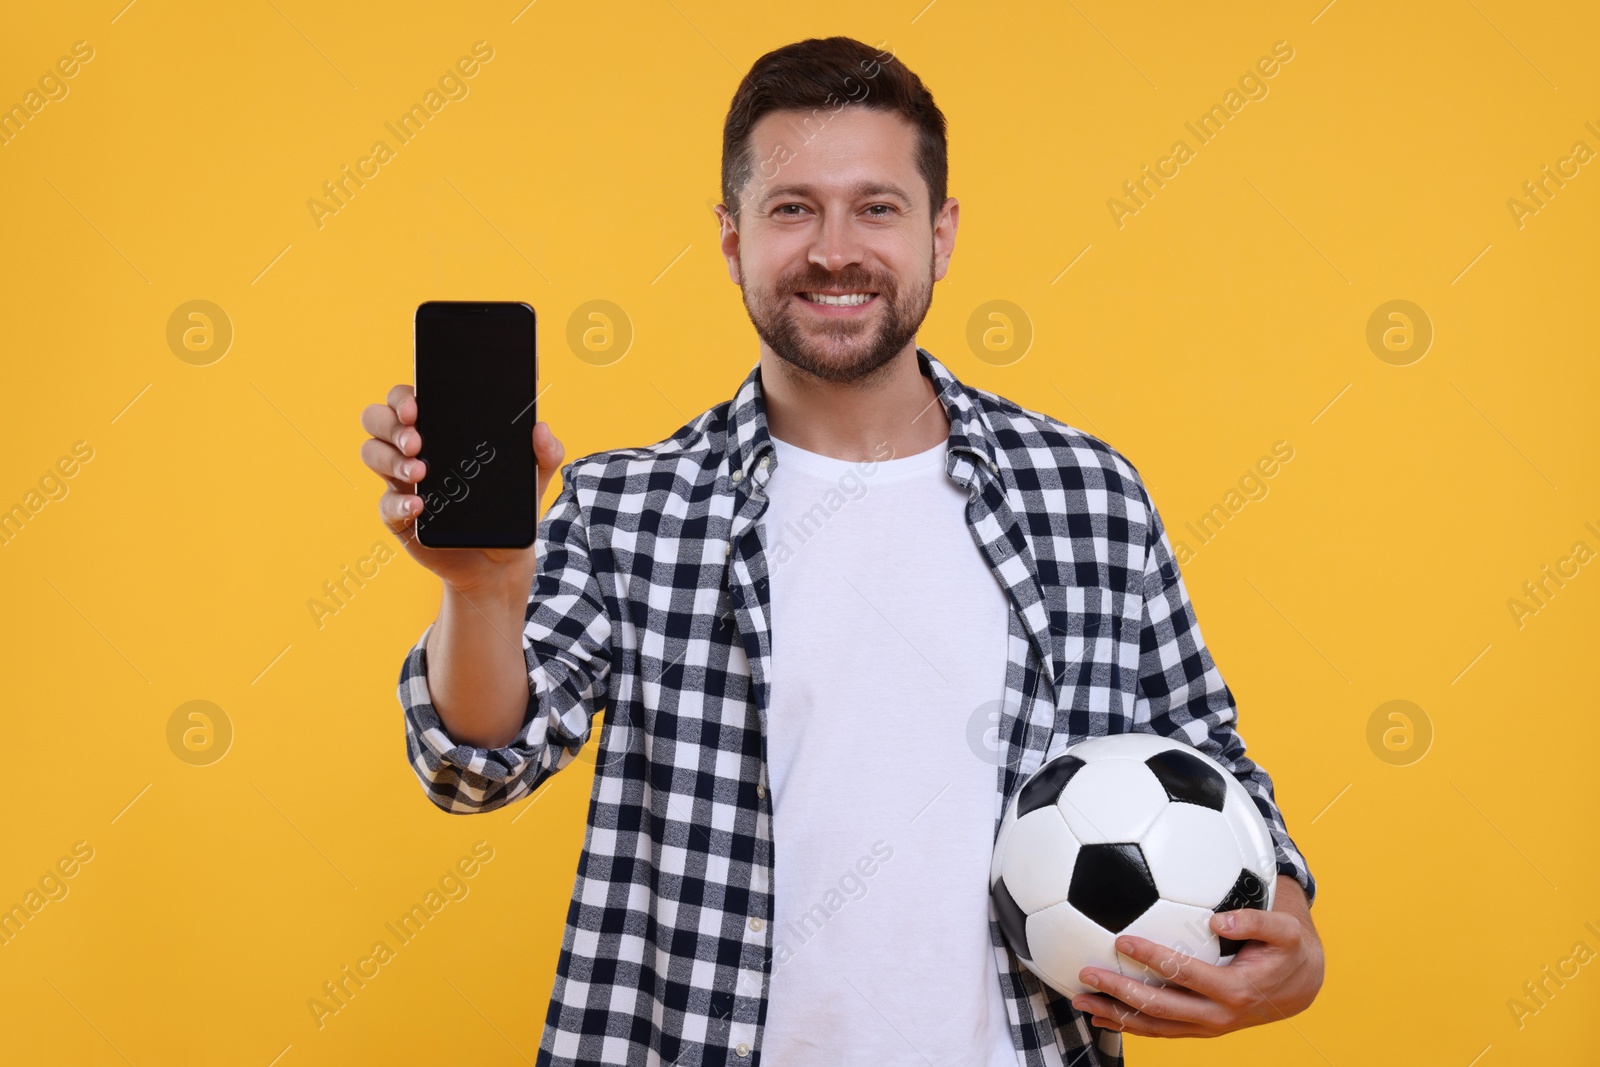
(1253, 924)
(549, 452)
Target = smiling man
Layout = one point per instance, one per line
(794, 611)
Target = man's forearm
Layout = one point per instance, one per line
(477, 675)
(1290, 896)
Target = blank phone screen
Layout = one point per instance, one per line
(475, 373)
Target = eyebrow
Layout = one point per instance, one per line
(860, 189)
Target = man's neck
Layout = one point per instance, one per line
(853, 421)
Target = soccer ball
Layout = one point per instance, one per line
(1126, 834)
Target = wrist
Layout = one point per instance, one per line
(502, 593)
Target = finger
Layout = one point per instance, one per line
(1253, 924)
(1207, 979)
(402, 400)
(384, 423)
(1144, 1026)
(1161, 1002)
(399, 512)
(546, 448)
(400, 471)
(380, 421)
(1111, 1014)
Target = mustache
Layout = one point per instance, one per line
(847, 280)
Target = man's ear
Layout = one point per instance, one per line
(729, 241)
(944, 236)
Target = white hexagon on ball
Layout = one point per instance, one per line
(1193, 855)
(1065, 942)
(1040, 854)
(1111, 800)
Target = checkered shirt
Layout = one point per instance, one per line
(650, 604)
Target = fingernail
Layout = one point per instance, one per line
(407, 467)
(1226, 920)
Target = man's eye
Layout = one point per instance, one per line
(888, 209)
(781, 207)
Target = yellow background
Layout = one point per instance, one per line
(1228, 314)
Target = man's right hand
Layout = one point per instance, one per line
(390, 452)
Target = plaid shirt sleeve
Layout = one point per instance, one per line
(1181, 692)
(566, 643)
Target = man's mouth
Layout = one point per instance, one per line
(838, 300)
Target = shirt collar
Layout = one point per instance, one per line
(749, 441)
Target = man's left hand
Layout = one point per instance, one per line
(1276, 974)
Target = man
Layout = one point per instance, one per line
(793, 611)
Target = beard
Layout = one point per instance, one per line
(839, 350)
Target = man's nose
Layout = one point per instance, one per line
(837, 244)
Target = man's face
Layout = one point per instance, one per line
(836, 208)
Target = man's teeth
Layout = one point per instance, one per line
(844, 300)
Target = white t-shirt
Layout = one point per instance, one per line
(888, 638)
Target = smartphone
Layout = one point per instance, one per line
(476, 365)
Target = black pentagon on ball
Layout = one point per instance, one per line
(1248, 891)
(1188, 778)
(1046, 784)
(1112, 885)
(1013, 923)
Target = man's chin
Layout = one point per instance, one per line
(841, 351)
(847, 361)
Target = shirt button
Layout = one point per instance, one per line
(735, 476)
(755, 923)
(761, 790)
(741, 1049)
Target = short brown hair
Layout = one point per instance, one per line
(828, 72)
